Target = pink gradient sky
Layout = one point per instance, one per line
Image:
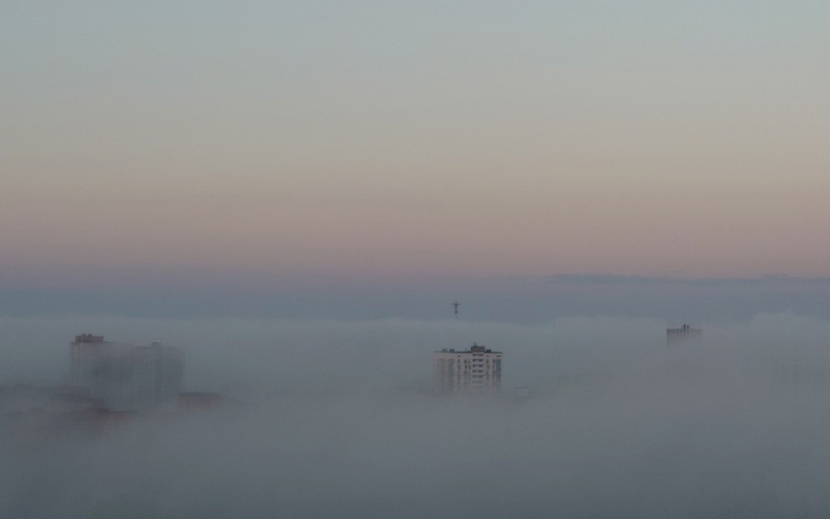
(382, 141)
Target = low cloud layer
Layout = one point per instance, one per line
(215, 295)
(335, 419)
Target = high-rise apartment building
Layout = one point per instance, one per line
(683, 334)
(124, 377)
(477, 370)
(86, 354)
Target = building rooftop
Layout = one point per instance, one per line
(683, 330)
(475, 348)
(89, 338)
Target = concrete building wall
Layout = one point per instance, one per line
(477, 370)
(683, 334)
(124, 377)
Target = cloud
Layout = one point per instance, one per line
(331, 423)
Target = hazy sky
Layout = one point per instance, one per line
(411, 139)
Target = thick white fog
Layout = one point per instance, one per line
(597, 418)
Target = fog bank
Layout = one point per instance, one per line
(331, 418)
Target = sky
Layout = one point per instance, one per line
(425, 140)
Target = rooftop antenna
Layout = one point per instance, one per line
(455, 306)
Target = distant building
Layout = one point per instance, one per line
(477, 370)
(123, 377)
(683, 334)
(85, 354)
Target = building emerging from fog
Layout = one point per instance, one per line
(477, 370)
(683, 334)
(124, 377)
